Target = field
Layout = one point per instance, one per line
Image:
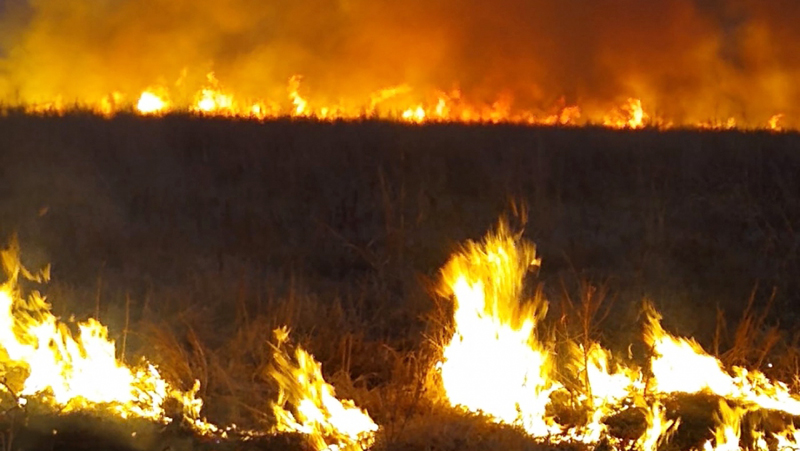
(193, 238)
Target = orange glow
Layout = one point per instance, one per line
(682, 63)
(396, 103)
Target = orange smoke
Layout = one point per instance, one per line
(687, 61)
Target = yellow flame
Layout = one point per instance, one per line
(150, 103)
(396, 103)
(658, 428)
(307, 404)
(416, 115)
(212, 100)
(300, 104)
(729, 429)
(681, 365)
(494, 364)
(630, 115)
(82, 372)
(77, 372)
(774, 123)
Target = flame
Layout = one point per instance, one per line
(212, 100)
(681, 365)
(300, 104)
(494, 363)
(329, 424)
(630, 115)
(150, 103)
(416, 115)
(394, 103)
(82, 372)
(729, 429)
(774, 123)
(77, 372)
(658, 428)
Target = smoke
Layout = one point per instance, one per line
(688, 59)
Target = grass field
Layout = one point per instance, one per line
(193, 238)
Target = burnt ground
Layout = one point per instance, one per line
(207, 233)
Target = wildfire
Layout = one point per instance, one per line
(41, 358)
(497, 362)
(395, 103)
(75, 372)
(495, 365)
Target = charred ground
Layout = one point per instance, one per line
(192, 238)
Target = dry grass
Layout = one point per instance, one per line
(197, 237)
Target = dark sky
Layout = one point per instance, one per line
(688, 57)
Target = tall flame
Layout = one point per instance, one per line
(494, 364)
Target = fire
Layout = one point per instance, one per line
(300, 104)
(329, 423)
(41, 358)
(774, 123)
(416, 115)
(681, 365)
(76, 372)
(728, 431)
(658, 428)
(150, 103)
(394, 103)
(630, 115)
(212, 100)
(494, 363)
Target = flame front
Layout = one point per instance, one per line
(397, 103)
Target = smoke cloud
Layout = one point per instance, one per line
(687, 59)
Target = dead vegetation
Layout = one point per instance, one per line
(194, 238)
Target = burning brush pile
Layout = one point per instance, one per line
(494, 363)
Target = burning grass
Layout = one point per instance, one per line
(340, 231)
